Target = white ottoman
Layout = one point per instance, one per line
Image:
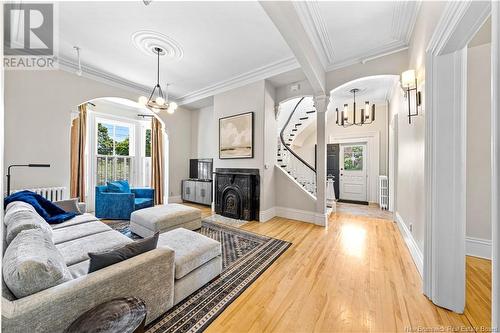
(198, 259)
(146, 222)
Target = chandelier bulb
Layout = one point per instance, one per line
(143, 100)
(160, 100)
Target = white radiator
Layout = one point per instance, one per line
(383, 192)
(49, 193)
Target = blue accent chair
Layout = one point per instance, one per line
(119, 206)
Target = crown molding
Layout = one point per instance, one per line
(404, 18)
(386, 49)
(102, 76)
(315, 26)
(260, 73)
(403, 21)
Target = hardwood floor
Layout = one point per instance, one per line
(478, 308)
(357, 276)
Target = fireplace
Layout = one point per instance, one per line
(237, 193)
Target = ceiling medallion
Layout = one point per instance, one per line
(366, 117)
(147, 41)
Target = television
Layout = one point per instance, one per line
(200, 168)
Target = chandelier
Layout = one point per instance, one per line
(345, 119)
(160, 102)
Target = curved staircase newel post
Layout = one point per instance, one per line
(320, 103)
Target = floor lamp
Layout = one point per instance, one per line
(32, 165)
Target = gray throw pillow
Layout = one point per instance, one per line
(69, 205)
(32, 263)
(100, 260)
(24, 219)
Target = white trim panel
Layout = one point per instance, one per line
(296, 214)
(478, 247)
(175, 199)
(415, 252)
(266, 215)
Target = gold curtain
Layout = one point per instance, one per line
(157, 159)
(78, 140)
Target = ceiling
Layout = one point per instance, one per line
(219, 40)
(216, 46)
(346, 32)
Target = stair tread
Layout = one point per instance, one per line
(312, 111)
(303, 118)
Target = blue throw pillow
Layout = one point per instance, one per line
(119, 186)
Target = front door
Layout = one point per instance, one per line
(353, 171)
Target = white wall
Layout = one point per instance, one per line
(38, 106)
(178, 127)
(258, 97)
(249, 98)
(478, 142)
(270, 148)
(203, 127)
(410, 187)
(390, 64)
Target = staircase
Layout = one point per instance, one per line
(301, 113)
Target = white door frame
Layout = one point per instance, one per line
(393, 163)
(365, 169)
(495, 159)
(372, 140)
(445, 152)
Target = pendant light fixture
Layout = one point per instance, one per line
(346, 120)
(158, 102)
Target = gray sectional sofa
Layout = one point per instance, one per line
(150, 276)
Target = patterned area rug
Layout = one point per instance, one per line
(245, 257)
(225, 220)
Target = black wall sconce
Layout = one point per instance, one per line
(409, 84)
(31, 165)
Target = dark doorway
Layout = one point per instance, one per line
(332, 164)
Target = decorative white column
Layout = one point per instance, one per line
(320, 102)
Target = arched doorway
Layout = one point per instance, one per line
(118, 145)
(358, 154)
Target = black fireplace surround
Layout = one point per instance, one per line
(237, 193)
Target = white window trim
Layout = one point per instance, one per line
(137, 150)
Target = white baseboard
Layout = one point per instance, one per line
(478, 247)
(296, 214)
(266, 215)
(321, 219)
(415, 252)
(175, 199)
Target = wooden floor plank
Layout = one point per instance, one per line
(355, 276)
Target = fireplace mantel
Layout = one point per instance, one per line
(237, 193)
